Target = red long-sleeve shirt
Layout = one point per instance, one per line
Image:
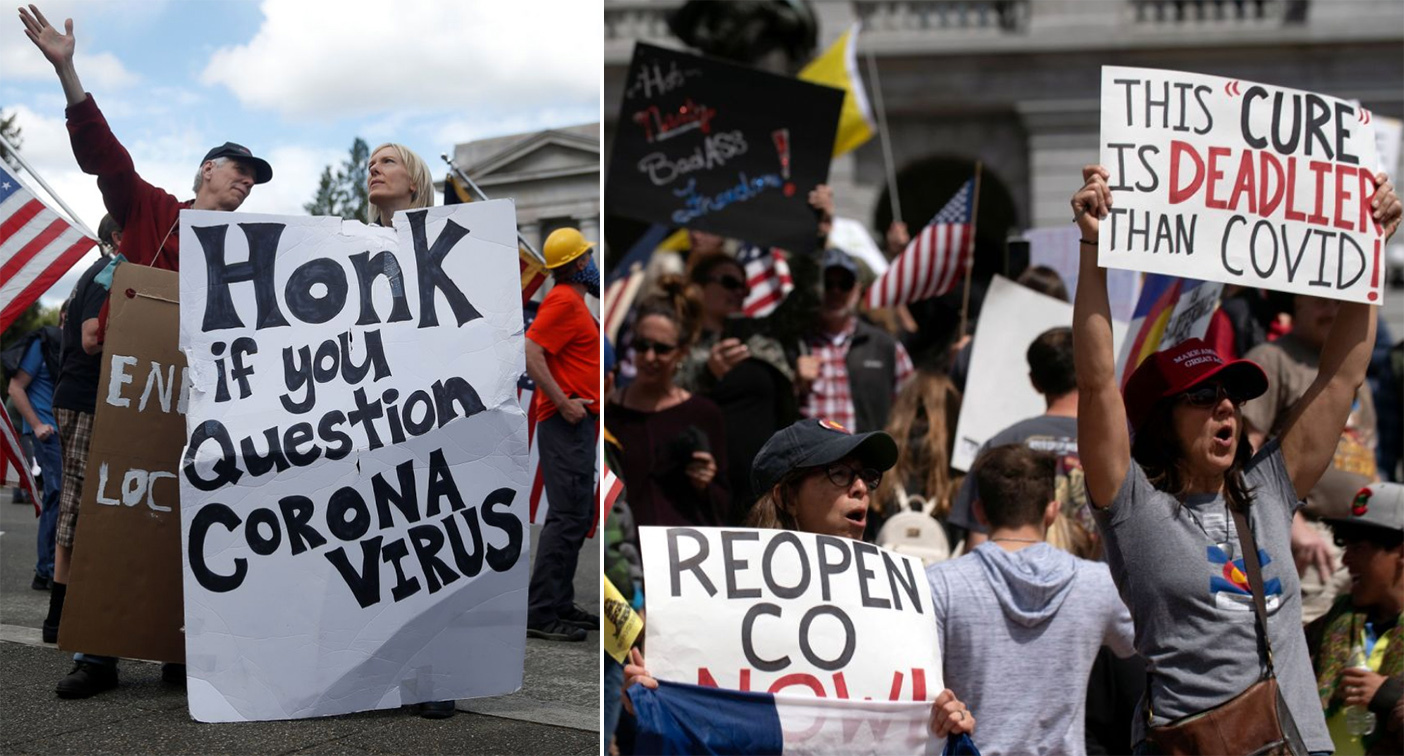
(147, 214)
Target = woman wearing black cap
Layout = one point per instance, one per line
(1167, 491)
(817, 478)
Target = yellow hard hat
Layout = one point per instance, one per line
(564, 245)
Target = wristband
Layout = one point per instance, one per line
(1085, 241)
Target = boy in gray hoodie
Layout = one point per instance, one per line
(1019, 621)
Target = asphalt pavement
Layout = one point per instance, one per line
(555, 712)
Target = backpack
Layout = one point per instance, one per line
(913, 531)
(49, 337)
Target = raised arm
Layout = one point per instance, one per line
(1103, 444)
(1313, 427)
(57, 48)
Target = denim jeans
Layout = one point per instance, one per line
(50, 456)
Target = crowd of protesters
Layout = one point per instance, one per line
(55, 374)
(1076, 609)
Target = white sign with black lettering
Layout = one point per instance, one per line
(1244, 183)
(353, 489)
(780, 611)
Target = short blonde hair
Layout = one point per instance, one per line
(423, 195)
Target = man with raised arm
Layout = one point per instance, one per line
(147, 214)
(148, 217)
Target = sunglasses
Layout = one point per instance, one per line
(730, 283)
(1209, 395)
(660, 349)
(843, 476)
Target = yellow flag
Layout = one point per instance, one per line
(838, 68)
(621, 626)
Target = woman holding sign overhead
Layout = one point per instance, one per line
(1196, 525)
(818, 478)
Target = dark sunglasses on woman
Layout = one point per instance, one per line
(659, 348)
(1209, 395)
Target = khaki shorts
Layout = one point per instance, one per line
(75, 431)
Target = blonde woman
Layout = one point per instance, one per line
(396, 179)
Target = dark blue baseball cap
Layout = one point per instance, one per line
(815, 443)
(263, 172)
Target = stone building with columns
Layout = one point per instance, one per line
(552, 175)
(1015, 83)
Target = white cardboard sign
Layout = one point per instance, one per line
(782, 611)
(1238, 182)
(353, 503)
(998, 392)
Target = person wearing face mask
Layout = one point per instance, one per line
(147, 215)
(563, 358)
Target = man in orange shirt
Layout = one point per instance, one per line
(563, 359)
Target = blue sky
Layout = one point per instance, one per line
(296, 81)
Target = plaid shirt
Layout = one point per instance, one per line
(830, 395)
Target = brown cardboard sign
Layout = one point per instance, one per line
(124, 590)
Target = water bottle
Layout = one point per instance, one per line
(1360, 721)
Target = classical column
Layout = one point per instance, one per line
(532, 233)
(589, 226)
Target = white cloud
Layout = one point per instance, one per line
(45, 146)
(20, 60)
(99, 71)
(456, 130)
(296, 171)
(353, 58)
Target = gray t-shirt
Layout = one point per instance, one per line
(1179, 570)
(1019, 632)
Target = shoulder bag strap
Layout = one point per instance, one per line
(1254, 569)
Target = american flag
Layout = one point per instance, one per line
(533, 274)
(37, 246)
(612, 485)
(768, 275)
(619, 298)
(934, 260)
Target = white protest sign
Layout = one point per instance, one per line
(780, 611)
(353, 504)
(998, 392)
(1243, 183)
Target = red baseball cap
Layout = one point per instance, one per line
(1182, 367)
